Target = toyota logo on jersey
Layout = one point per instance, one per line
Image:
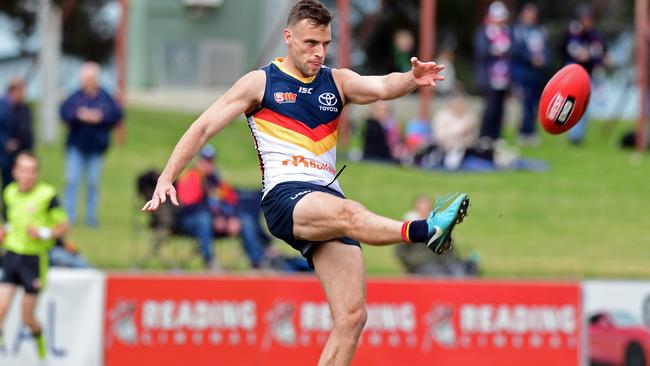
(327, 99)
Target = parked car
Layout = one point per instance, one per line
(616, 338)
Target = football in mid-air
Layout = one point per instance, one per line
(564, 99)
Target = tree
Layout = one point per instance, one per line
(87, 32)
(23, 16)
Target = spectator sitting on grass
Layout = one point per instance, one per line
(418, 259)
(210, 207)
(65, 253)
(455, 129)
(382, 136)
(455, 133)
(417, 136)
(255, 242)
(195, 212)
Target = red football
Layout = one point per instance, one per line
(564, 99)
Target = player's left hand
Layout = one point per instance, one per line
(426, 73)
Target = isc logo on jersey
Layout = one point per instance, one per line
(328, 102)
(285, 97)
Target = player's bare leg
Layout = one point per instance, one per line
(341, 272)
(29, 318)
(321, 216)
(7, 292)
(29, 308)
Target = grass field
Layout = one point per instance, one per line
(586, 217)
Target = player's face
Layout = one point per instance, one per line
(307, 44)
(25, 172)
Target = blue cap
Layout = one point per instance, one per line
(208, 152)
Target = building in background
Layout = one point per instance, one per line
(177, 43)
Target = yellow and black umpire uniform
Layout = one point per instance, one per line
(26, 258)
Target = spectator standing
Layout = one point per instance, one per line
(492, 52)
(447, 57)
(90, 114)
(530, 55)
(33, 221)
(15, 128)
(584, 45)
(403, 50)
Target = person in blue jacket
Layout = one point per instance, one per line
(492, 54)
(90, 113)
(530, 56)
(16, 133)
(584, 45)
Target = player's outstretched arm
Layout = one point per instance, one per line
(242, 97)
(368, 89)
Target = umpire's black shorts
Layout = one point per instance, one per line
(22, 270)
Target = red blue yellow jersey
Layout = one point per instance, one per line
(295, 127)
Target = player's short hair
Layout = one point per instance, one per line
(314, 11)
(27, 154)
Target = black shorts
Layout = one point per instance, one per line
(278, 207)
(22, 270)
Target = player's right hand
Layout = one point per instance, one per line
(163, 189)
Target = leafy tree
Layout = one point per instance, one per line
(23, 16)
(87, 32)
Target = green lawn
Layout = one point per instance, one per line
(586, 217)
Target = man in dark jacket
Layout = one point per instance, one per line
(530, 55)
(16, 133)
(583, 44)
(90, 114)
(492, 54)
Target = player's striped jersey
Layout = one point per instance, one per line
(295, 127)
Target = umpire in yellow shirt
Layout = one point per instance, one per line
(33, 220)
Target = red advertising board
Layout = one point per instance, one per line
(285, 321)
